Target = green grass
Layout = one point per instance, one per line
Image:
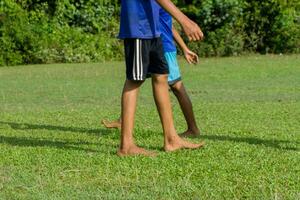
(52, 145)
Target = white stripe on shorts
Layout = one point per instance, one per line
(137, 70)
(134, 64)
(141, 54)
(138, 58)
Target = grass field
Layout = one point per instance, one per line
(52, 145)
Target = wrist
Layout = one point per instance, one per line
(183, 20)
(185, 50)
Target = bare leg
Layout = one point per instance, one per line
(187, 109)
(129, 99)
(112, 124)
(172, 141)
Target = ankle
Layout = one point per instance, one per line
(127, 146)
(172, 139)
(194, 129)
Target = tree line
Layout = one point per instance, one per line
(51, 31)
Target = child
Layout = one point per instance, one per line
(174, 78)
(144, 55)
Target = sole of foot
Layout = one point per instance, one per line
(184, 145)
(108, 124)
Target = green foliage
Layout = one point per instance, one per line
(92, 16)
(57, 31)
(272, 25)
(225, 41)
(214, 14)
(234, 26)
(46, 31)
(221, 23)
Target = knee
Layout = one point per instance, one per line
(176, 88)
(130, 84)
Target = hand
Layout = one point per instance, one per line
(192, 30)
(191, 57)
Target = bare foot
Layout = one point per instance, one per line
(111, 124)
(178, 143)
(190, 134)
(134, 151)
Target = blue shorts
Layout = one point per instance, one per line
(174, 72)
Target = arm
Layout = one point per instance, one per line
(179, 39)
(190, 56)
(190, 28)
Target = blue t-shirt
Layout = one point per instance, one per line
(165, 26)
(139, 19)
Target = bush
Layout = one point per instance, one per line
(271, 26)
(37, 32)
(221, 22)
(225, 41)
(12, 16)
(73, 45)
(92, 16)
(47, 31)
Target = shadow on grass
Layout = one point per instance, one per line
(253, 141)
(21, 141)
(36, 142)
(39, 142)
(26, 126)
(272, 143)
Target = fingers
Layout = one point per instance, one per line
(192, 37)
(196, 58)
(192, 30)
(201, 35)
(192, 59)
(196, 33)
(196, 36)
(189, 59)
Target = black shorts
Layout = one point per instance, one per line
(144, 57)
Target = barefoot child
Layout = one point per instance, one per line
(139, 28)
(168, 34)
